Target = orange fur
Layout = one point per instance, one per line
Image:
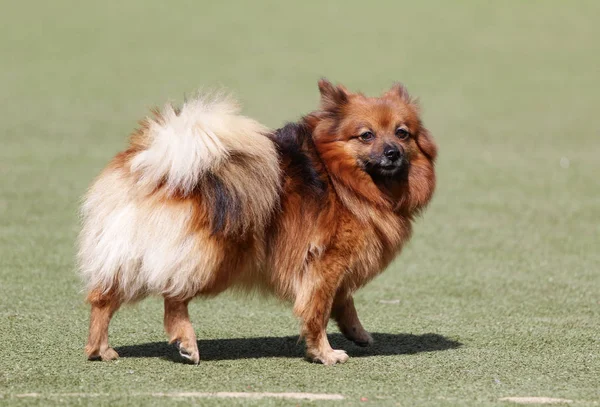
(334, 225)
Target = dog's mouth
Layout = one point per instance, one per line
(386, 168)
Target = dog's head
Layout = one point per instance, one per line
(376, 145)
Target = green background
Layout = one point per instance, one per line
(497, 294)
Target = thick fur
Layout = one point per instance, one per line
(205, 199)
(155, 219)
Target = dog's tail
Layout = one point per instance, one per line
(207, 148)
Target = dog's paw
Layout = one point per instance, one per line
(105, 355)
(189, 353)
(358, 335)
(109, 354)
(330, 357)
(364, 339)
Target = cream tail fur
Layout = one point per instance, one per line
(138, 244)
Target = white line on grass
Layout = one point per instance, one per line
(244, 395)
(536, 400)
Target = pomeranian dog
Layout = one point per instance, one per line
(205, 199)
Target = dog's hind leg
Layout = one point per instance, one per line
(104, 305)
(344, 313)
(180, 330)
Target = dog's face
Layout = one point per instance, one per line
(382, 137)
(380, 133)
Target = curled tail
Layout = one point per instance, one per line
(207, 148)
(191, 173)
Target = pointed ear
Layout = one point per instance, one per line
(399, 91)
(332, 97)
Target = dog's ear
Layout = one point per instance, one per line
(398, 90)
(426, 143)
(332, 97)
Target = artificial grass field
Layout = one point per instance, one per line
(497, 294)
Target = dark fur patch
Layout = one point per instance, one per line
(293, 142)
(223, 206)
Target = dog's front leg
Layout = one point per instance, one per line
(314, 299)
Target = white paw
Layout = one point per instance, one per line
(192, 355)
(330, 357)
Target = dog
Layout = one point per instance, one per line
(205, 199)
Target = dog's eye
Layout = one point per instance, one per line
(367, 136)
(402, 133)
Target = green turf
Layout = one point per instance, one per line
(498, 293)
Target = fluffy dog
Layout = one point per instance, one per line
(205, 199)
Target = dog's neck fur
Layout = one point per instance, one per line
(301, 158)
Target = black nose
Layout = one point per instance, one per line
(391, 152)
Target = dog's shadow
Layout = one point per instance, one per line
(291, 347)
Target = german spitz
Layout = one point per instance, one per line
(205, 199)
